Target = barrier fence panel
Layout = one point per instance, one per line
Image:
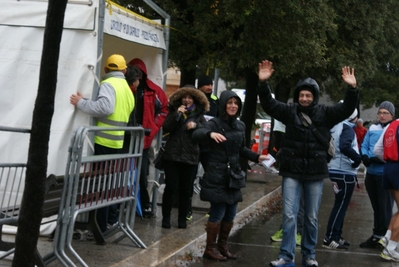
(12, 177)
(96, 181)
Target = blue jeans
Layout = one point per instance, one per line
(222, 212)
(292, 190)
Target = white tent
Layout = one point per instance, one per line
(93, 30)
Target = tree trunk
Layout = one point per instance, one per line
(33, 196)
(282, 94)
(187, 76)
(251, 96)
(249, 110)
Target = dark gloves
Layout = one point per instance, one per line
(366, 160)
(376, 160)
(356, 164)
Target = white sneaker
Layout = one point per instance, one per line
(310, 262)
(390, 255)
(281, 263)
(383, 242)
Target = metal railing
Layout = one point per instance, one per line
(96, 181)
(12, 177)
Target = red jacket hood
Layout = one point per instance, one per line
(141, 65)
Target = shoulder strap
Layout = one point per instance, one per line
(307, 122)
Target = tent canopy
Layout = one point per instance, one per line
(84, 38)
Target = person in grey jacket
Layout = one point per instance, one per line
(112, 108)
(226, 136)
(186, 108)
(343, 175)
(303, 158)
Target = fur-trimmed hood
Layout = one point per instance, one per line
(200, 100)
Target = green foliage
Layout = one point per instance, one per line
(302, 38)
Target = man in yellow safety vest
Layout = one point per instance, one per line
(113, 106)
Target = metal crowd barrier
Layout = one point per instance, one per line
(11, 190)
(96, 181)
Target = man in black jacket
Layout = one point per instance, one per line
(303, 157)
(205, 84)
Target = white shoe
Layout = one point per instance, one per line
(310, 262)
(390, 255)
(383, 242)
(281, 263)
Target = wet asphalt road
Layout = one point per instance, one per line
(254, 248)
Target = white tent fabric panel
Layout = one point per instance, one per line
(20, 56)
(19, 78)
(33, 14)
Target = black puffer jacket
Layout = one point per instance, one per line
(302, 156)
(180, 146)
(214, 183)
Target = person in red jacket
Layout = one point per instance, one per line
(360, 131)
(150, 113)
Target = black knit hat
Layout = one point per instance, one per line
(204, 80)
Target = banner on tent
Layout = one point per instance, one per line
(133, 30)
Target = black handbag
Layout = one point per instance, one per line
(158, 162)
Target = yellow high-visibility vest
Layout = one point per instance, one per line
(124, 105)
(214, 97)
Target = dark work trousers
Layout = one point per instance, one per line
(178, 181)
(145, 165)
(343, 186)
(102, 214)
(381, 201)
(144, 196)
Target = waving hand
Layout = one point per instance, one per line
(265, 70)
(348, 75)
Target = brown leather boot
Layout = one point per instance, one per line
(211, 250)
(225, 228)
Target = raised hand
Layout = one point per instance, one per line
(265, 70)
(348, 75)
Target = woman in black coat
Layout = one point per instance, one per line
(181, 156)
(226, 136)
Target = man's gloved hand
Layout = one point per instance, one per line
(366, 160)
(376, 160)
(356, 164)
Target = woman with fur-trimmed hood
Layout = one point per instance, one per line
(186, 109)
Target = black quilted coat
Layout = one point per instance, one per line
(180, 147)
(302, 156)
(214, 183)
